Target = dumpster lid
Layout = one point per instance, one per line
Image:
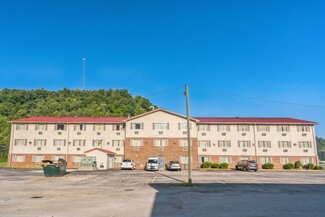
(47, 161)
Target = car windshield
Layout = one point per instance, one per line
(174, 162)
(126, 160)
(153, 161)
(251, 161)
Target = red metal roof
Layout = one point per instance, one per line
(102, 150)
(70, 120)
(253, 120)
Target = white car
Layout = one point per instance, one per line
(152, 164)
(173, 165)
(128, 164)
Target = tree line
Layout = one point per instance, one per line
(17, 103)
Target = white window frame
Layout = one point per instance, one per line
(160, 142)
(264, 160)
(37, 158)
(243, 128)
(285, 160)
(19, 158)
(204, 143)
(59, 142)
(303, 128)
(225, 159)
(161, 126)
(223, 127)
(79, 142)
(57, 157)
(224, 143)
(204, 127)
(264, 144)
(99, 127)
(263, 128)
(284, 144)
(22, 127)
(40, 142)
(136, 142)
(118, 143)
(244, 144)
(184, 159)
(20, 142)
(305, 144)
(77, 158)
(283, 128)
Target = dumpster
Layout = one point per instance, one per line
(54, 169)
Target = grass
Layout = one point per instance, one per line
(3, 163)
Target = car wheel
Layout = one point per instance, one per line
(255, 170)
(236, 168)
(245, 169)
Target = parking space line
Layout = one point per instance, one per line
(153, 180)
(222, 182)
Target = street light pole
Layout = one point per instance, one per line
(188, 137)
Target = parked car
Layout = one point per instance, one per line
(128, 164)
(247, 165)
(173, 165)
(152, 164)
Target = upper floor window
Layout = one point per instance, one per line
(264, 144)
(79, 127)
(263, 128)
(204, 127)
(60, 127)
(136, 142)
(21, 127)
(204, 143)
(243, 128)
(304, 144)
(224, 143)
(79, 142)
(20, 142)
(183, 126)
(283, 128)
(284, 144)
(59, 142)
(40, 142)
(99, 127)
(183, 142)
(244, 144)
(37, 158)
(223, 127)
(161, 142)
(40, 127)
(97, 142)
(303, 128)
(160, 126)
(118, 143)
(137, 126)
(117, 127)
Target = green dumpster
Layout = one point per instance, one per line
(51, 169)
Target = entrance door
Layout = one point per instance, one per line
(161, 161)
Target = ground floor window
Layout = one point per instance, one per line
(37, 158)
(77, 159)
(284, 160)
(264, 160)
(57, 157)
(184, 159)
(225, 159)
(244, 158)
(118, 159)
(204, 159)
(19, 158)
(306, 160)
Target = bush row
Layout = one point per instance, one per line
(208, 164)
(298, 165)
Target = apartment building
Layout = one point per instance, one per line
(163, 134)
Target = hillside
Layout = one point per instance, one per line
(15, 104)
(321, 148)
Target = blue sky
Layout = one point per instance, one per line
(240, 58)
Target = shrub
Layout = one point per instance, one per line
(298, 164)
(309, 166)
(288, 166)
(206, 164)
(318, 168)
(215, 165)
(223, 166)
(268, 166)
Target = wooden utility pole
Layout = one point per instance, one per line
(188, 137)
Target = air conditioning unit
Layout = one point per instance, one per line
(118, 133)
(161, 132)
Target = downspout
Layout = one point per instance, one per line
(255, 143)
(315, 143)
(11, 143)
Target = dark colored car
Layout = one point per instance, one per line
(173, 165)
(247, 165)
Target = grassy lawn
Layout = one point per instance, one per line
(3, 163)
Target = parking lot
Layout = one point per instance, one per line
(26, 192)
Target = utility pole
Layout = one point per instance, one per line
(188, 137)
(83, 72)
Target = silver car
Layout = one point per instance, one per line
(173, 165)
(128, 164)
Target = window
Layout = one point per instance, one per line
(264, 144)
(118, 159)
(118, 143)
(204, 159)
(137, 126)
(20, 142)
(77, 159)
(244, 158)
(263, 128)
(21, 127)
(225, 159)
(79, 142)
(264, 160)
(183, 126)
(244, 144)
(223, 128)
(160, 126)
(283, 128)
(184, 159)
(243, 128)
(97, 142)
(117, 127)
(284, 160)
(60, 127)
(284, 144)
(99, 127)
(183, 142)
(37, 158)
(306, 160)
(40, 127)
(79, 127)
(204, 127)
(303, 128)
(57, 157)
(161, 142)
(19, 158)
(40, 142)
(59, 142)
(136, 142)
(204, 143)
(304, 144)
(224, 143)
